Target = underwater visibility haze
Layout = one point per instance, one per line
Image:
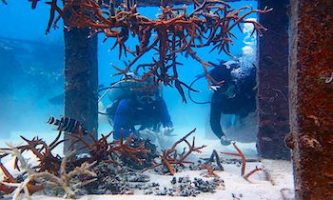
(34, 90)
(152, 117)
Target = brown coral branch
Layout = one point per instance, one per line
(47, 161)
(239, 154)
(43, 152)
(243, 160)
(102, 150)
(178, 31)
(64, 181)
(246, 177)
(9, 183)
(8, 177)
(123, 148)
(170, 156)
(167, 164)
(210, 170)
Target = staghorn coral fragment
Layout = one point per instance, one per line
(171, 159)
(12, 183)
(175, 31)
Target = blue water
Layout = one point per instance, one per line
(24, 107)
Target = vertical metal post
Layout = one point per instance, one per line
(311, 98)
(272, 78)
(81, 81)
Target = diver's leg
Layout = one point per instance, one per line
(164, 115)
(215, 117)
(111, 111)
(248, 106)
(123, 119)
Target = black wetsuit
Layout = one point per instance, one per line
(241, 102)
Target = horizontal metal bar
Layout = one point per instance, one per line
(146, 3)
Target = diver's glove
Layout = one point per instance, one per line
(148, 134)
(166, 131)
(225, 141)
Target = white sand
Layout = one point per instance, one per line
(259, 189)
(234, 184)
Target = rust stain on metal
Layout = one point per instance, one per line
(312, 97)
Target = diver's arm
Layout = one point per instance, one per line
(164, 113)
(215, 116)
(123, 119)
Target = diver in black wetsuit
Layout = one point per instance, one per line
(235, 96)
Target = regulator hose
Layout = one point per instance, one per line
(190, 96)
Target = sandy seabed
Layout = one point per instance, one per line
(279, 187)
(235, 186)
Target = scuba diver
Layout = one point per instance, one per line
(236, 95)
(138, 103)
